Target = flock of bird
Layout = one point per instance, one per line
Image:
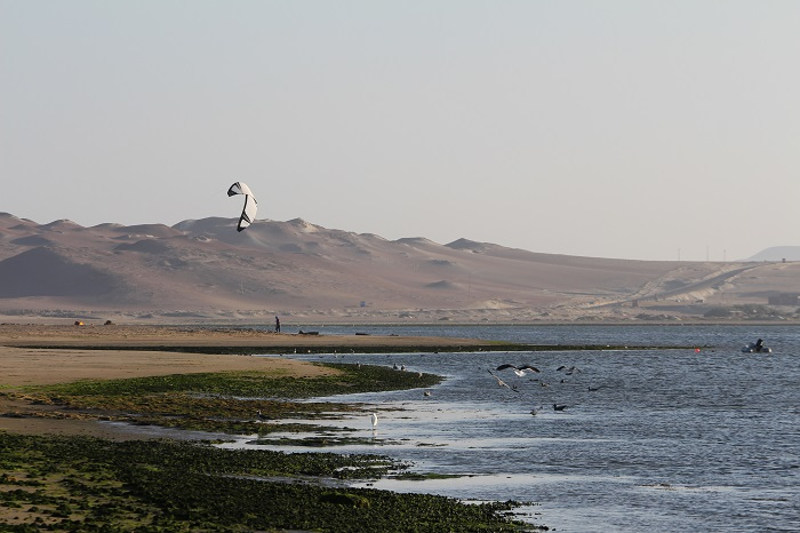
(525, 370)
(520, 371)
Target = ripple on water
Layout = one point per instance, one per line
(661, 440)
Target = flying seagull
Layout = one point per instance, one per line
(568, 370)
(502, 383)
(519, 370)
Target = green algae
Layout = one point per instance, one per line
(228, 402)
(89, 484)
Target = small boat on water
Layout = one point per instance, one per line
(756, 347)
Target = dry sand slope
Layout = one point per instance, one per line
(205, 270)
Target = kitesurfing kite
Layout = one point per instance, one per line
(250, 204)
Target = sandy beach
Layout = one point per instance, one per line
(33, 355)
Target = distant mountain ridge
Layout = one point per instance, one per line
(206, 269)
(777, 253)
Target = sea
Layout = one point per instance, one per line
(699, 437)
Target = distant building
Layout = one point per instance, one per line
(784, 298)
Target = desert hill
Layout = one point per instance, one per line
(206, 270)
(778, 253)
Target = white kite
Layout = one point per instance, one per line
(250, 204)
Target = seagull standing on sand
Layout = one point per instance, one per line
(519, 370)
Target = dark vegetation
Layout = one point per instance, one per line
(91, 484)
(88, 484)
(229, 402)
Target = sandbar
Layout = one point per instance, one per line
(34, 354)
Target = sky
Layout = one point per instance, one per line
(630, 129)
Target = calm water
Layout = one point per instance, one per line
(667, 440)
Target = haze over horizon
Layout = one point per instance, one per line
(637, 130)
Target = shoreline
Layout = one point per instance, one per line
(29, 420)
(95, 320)
(33, 355)
(41, 355)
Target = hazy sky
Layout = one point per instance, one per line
(635, 129)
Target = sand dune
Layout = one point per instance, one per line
(205, 270)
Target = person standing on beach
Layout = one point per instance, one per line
(277, 325)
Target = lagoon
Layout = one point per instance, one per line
(698, 438)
